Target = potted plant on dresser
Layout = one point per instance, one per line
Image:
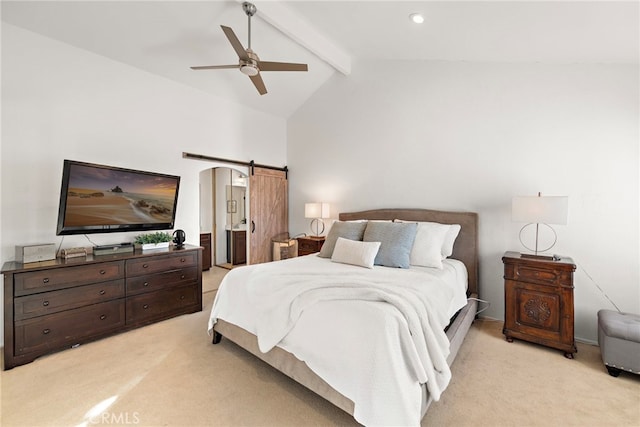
(158, 240)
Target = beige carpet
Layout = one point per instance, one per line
(169, 374)
(212, 278)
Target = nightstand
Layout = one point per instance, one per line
(538, 300)
(309, 245)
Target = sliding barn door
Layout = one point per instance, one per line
(269, 211)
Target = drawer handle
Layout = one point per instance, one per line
(145, 265)
(102, 272)
(145, 284)
(46, 331)
(103, 317)
(145, 306)
(45, 303)
(182, 260)
(45, 280)
(182, 276)
(181, 297)
(102, 292)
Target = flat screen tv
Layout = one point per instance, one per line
(103, 199)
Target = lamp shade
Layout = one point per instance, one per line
(540, 209)
(316, 210)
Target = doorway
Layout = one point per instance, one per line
(244, 214)
(224, 191)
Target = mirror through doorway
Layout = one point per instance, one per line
(225, 191)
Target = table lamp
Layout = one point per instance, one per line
(539, 210)
(317, 211)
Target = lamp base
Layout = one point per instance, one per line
(535, 250)
(540, 257)
(316, 237)
(318, 223)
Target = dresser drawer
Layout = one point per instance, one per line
(55, 301)
(60, 278)
(153, 282)
(68, 327)
(157, 264)
(152, 305)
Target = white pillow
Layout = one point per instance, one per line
(355, 252)
(450, 238)
(427, 247)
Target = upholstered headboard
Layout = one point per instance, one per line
(465, 248)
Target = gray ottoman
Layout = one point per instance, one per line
(619, 340)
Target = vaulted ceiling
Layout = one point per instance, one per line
(167, 37)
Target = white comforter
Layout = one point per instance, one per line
(374, 335)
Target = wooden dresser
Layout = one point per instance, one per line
(53, 305)
(310, 245)
(538, 298)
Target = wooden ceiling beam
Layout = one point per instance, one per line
(302, 32)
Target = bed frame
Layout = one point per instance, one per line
(465, 250)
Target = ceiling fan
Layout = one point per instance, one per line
(248, 61)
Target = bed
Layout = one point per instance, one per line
(278, 312)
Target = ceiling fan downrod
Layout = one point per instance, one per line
(250, 10)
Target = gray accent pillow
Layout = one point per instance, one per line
(347, 230)
(396, 240)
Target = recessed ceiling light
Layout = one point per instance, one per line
(417, 18)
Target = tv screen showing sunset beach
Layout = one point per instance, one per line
(103, 196)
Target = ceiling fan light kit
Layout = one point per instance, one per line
(248, 61)
(249, 70)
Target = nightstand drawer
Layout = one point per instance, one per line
(309, 245)
(539, 273)
(536, 275)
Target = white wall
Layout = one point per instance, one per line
(60, 102)
(206, 201)
(469, 137)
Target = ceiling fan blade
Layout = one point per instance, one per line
(237, 46)
(214, 67)
(282, 66)
(258, 83)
